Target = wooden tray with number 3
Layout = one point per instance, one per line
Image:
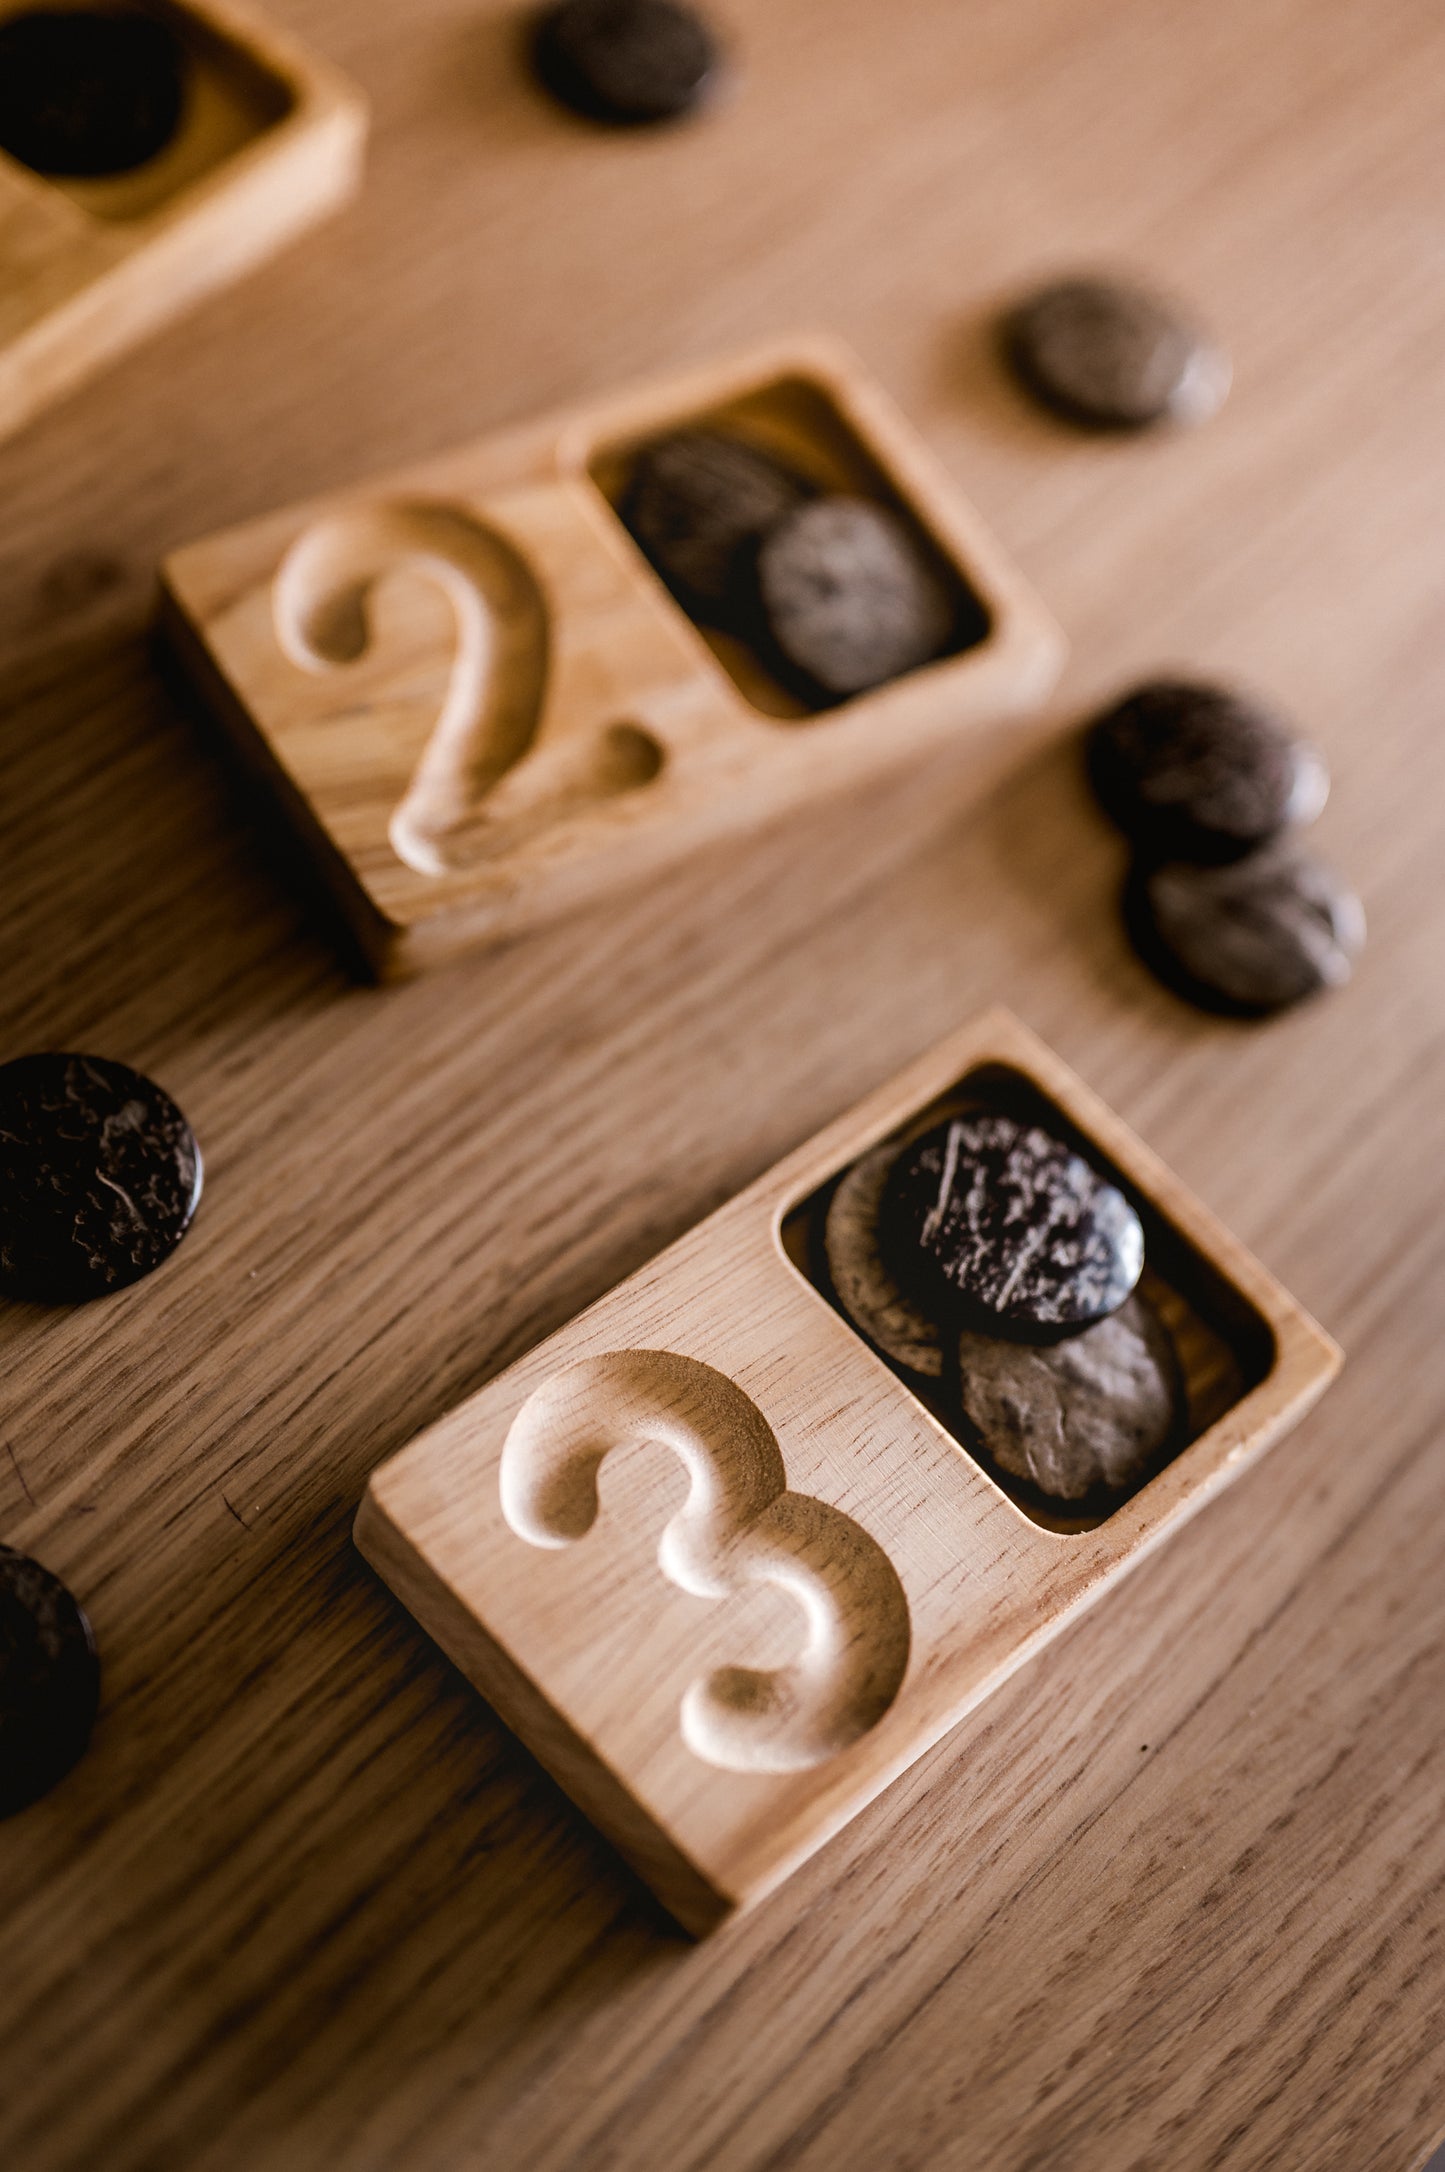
(480, 707)
(724, 1662)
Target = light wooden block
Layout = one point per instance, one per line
(480, 706)
(270, 142)
(759, 1630)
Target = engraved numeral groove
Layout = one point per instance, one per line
(740, 1525)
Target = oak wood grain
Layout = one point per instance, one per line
(1173, 1899)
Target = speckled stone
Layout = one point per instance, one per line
(1197, 772)
(89, 91)
(1009, 1230)
(99, 1177)
(698, 503)
(631, 63)
(1250, 938)
(1092, 1412)
(864, 1283)
(49, 1681)
(849, 597)
(1112, 355)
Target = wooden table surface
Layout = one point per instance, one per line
(1174, 1898)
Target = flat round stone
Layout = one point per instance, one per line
(1195, 772)
(1009, 1230)
(850, 597)
(628, 62)
(866, 1286)
(1095, 1411)
(99, 1177)
(1251, 937)
(1113, 355)
(86, 92)
(699, 502)
(49, 1681)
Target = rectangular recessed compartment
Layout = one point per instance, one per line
(638, 1624)
(269, 142)
(800, 423)
(1224, 1345)
(479, 707)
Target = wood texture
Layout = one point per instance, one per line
(810, 1469)
(529, 720)
(1172, 1899)
(270, 142)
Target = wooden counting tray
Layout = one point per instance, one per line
(648, 1651)
(270, 141)
(527, 718)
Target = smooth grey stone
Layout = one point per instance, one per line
(1249, 938)
(1093, 1411)
(866, 1287)
(850, 597)
(1114, 355)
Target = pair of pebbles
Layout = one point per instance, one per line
(1222, 902)
(834, 593)
(100, 1175)
(986, 1257)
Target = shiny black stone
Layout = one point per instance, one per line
(1113, 356)
(49, 1681)
(628, 62)
(850, 600)
(1196, 772)
(89, 91)
(1007, 1230)
(698, 503)
(99, 1177)
(1249, 938)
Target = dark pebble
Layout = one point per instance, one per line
(627, 62)
(99, 1177)
(849, 598)
(698, 503)
(1195, 772)
(862, 1279)
(1093, 1412)
(1009, 1230)
(49, 1681)
(1114, 356)
(1249, 938)
(88, 92)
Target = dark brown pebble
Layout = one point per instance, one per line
(99, 1177)
(90, 91)
(849, 597)
(862, 1279)
(698, 503)
(49, 1681)
(1007, 1230)
(1195, 772)
(1114, 356)
(1089, 1414)
(631, 63)
(1249, 938)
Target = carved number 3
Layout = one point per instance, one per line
(739, 1526)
